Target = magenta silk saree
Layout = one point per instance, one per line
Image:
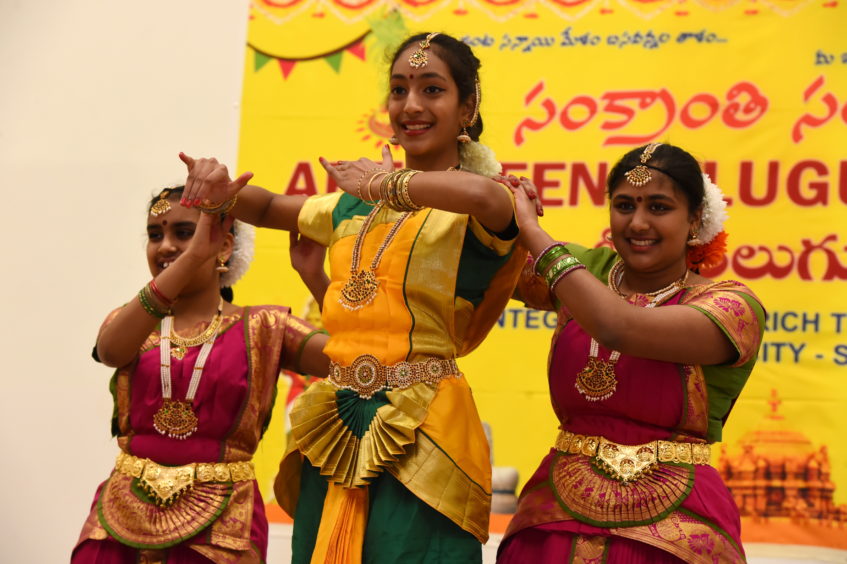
(570, 511)
(212, 521)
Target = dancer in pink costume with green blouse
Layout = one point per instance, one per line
(645, 365)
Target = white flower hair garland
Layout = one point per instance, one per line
(478, 158)
(242, 253)
(714, 211)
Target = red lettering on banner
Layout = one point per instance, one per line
(541, 182)
(770, 267)
(842, 183)
(686, 116)
(809, 120)
(596, 187)
(740, 114)
(302, 173)
(819, 188)
(745, 184)
(711, 168)
(590, 105)
(834, 269)
(509, 168)
(331, 186)
(745, 105)
(532, 124)
(646, 98)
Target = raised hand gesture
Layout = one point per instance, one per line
(209, 182)
(353, 176)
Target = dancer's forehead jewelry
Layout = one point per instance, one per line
(162, 205)
(418, 58)
(640, 175)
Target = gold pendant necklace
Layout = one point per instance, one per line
(360, 288)
(180, 345)
(597, 380)
(175, 418)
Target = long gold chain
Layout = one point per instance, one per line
(597, 380)
(360, 288)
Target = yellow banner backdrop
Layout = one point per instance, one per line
(756, 89)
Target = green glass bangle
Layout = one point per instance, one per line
(560, 265)
(302, 347)
(564, 273)
(148, 307)
(549, 257)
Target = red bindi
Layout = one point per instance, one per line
(411, 76)
(638, 198)
(164, 222)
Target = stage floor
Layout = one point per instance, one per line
(279, 550)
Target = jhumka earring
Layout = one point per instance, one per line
(640, 175)
(393, 140)
(463, 137)
(418, 58)
(162, 205)
(693, 240)
(222, 267)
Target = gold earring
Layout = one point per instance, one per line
(393, 140)
(463, 137)
(693, 240)
(222, 267)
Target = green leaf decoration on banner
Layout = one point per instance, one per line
(389, 29)
(334, 61)
(260, 61)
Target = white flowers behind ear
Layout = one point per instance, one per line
(714, 211)
(478, 158)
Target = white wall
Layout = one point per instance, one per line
(96, 100)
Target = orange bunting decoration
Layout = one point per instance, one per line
(704, 257)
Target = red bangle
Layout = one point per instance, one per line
(158, 293)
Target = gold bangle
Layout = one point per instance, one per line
(410, 205)
(370, 183)
(222, 208)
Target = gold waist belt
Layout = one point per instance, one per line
(367, 375)
(166, 483)
(627, 463)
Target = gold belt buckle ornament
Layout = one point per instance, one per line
(165, 484)
(367, 375)
(626, 463)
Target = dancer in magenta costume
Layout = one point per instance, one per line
(183, 489)
(641, 385)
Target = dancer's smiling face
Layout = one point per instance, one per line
(425, 110)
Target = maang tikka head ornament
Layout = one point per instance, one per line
(640, 175)
(418, 58)
(162, 205)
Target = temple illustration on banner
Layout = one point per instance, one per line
(781, 477)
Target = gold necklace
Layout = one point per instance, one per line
(616, 276)
(181, 344)
(175, 418)
(360, 288)
(597, 380)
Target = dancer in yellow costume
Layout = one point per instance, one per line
(388, 460)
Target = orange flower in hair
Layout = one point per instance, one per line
(709, 255)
